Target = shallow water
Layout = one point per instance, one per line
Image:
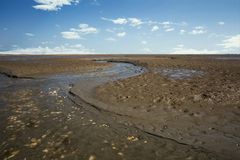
(4, 81)
(119, 70)
(228, 57)
(179, 73)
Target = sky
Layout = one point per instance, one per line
(120, 27)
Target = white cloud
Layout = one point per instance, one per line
(198, 30)
(169, 29)
(110, 39)
(221, 23)
(120, 21)
(137, 22)
(231, 42)
(134, 22)
(76, 33)
(121, 34)
(166, 26)
(70, 35)
(116, 21)
(155, 28)
(144, 42)
(53, 5)
(5, 29)
(63, 49)
(85, 29)
(182, 31)
(166, 23)
(29, 34)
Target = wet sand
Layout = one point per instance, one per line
(122, 119)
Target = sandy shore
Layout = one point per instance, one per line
(154, 115)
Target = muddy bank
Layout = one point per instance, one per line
(201, 110)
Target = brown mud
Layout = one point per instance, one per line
(41, 120)
(201, 110)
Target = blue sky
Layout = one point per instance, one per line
(119, 26)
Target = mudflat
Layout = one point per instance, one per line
(122, 107)
(33, 66)
(193, 100)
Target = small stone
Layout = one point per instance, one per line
(165, 127)
(132, 138)
(155, 100)
(33, 144)
(45, 151)
(211, 128)
(105, 141)
(120, 153)
(44, 136)
(92, 157)
(197, 98)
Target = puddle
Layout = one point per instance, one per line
(228, 58)
(179, 73)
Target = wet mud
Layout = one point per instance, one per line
(64, 116)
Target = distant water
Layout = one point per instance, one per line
(178, 73)
(227, 57)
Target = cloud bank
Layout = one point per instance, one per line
(231, 42)
(77, 33)
(53, 5)
(64, 49)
